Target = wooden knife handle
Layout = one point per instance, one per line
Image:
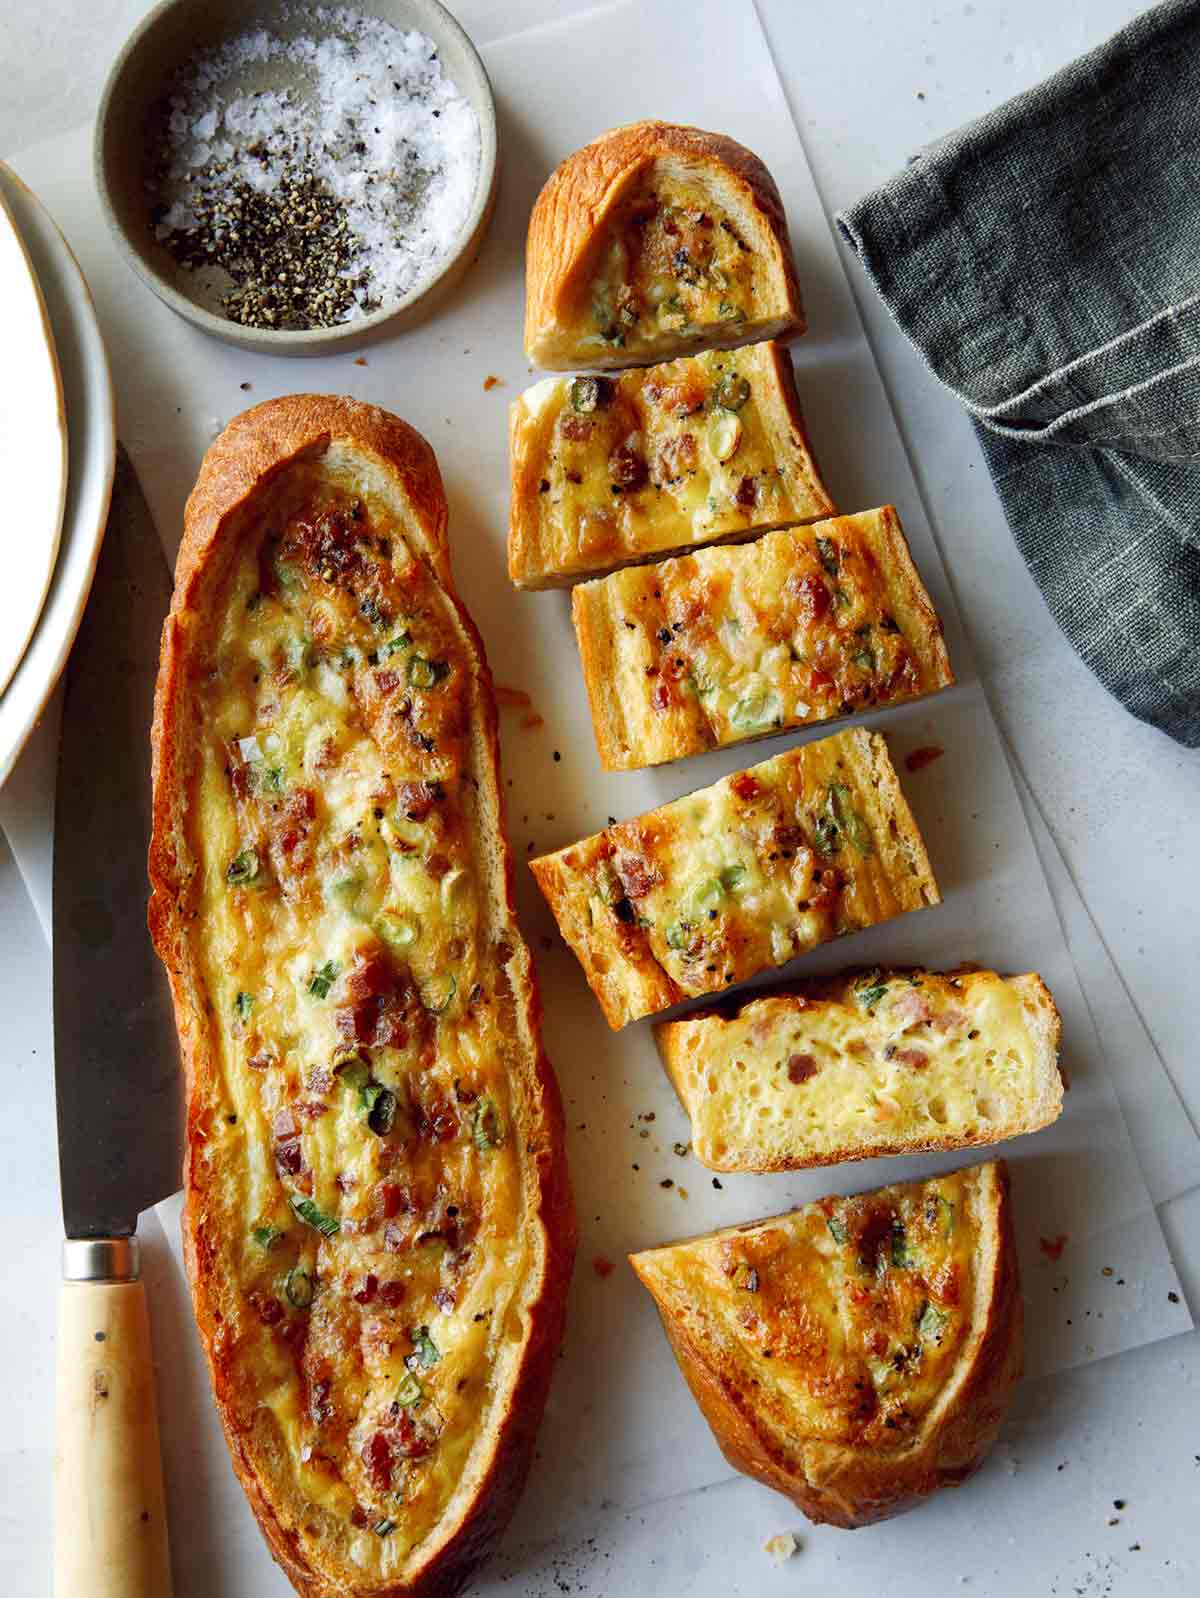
(110, 1523)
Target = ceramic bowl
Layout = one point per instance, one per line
(125, 143)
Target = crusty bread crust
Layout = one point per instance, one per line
(681, 1061)
(237, 471)
(632, 732)
(841, 1485)
(580, 195)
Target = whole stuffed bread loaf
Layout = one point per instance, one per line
(804, 625)
(653, 241)
(607, 470)
(882, 1062)
(734, 879)
(859, 1353)
(378, 1225)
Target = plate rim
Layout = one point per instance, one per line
(60, 423)
(89, 478)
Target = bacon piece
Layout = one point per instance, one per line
(627, 468)
(801, 1067)
(377, 1457)
(417, 799)
(811, 596)
(745, 786)
(917, 1058)
(366, 1290)
(637, 875)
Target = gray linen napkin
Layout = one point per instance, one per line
(1045, 261)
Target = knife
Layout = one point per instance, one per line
(116, 1074)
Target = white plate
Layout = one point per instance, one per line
(33, 448)
(91, 428)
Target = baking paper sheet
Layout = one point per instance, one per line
(621, 1429)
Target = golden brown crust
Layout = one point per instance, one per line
(852, 1485)
(802, 848)
(655, 635)
(240, 466)
(561, 530)
(582, 193)
(770, 1028)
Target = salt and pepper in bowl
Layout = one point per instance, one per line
(295, 180)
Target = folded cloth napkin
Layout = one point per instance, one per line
(1045, 261)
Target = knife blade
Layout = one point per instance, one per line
(116, 1062)
(115, 1076)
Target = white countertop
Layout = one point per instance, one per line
(868, 85)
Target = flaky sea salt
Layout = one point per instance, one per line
(329, 197)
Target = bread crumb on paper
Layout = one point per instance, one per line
(781, 1547)
(490, 382)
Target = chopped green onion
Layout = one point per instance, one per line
(732, 392)
(426, 1349)
(731, 876)
(755, 712)
(932, 1322)
(486, 1132)
(728, 310)
(705, 896)
(347, 889)
(380, 1105)
(836, 1230)
(587, 393)
(940, 1209)
(384, 1528)
(676, 935)
(902, 1257)
(398, 929)
(242, 868)
(828, 554)
(394, 645)
(299, 654)
(864, 658)
(243, 1005)
(870, 996)
(352, 1067)
(308, 1212)
(424, 673)
(323, 979)
(410, 1392)
(440, 1006)
(374, 612)
(266, 1237)
(298, 1288)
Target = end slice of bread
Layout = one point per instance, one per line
(653, 241)
(867, 1064)
(860, 1353)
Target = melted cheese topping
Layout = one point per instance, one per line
(839, 1323)
(742, 876)
(729, 644)
(659, 458)
(359, 1186)
(672, 265)
(884, 1061)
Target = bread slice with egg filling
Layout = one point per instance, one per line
(378, 1225)
(860, 1353)
(882, 1062)
(654, 241)
(700, 450)
(734, 879)
(804, 625)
